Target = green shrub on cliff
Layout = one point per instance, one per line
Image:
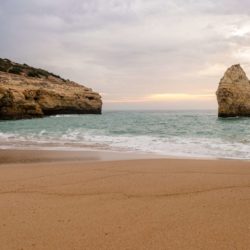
(3, 69)
(33, 73)
(4, 65)
(15, 70)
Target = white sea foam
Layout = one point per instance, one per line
(176, 146)
(173, 146)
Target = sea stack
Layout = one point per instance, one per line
(233, 94)
(27, 92)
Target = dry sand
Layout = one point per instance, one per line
(128, 204)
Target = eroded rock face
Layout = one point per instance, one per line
(233, 94)
(31, 93)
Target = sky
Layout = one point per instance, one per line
(138, 54)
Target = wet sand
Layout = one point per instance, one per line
(64, 200)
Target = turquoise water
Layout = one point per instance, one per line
(170, 133)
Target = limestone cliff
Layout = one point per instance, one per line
(233, 94)
(27, 92)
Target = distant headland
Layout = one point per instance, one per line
(28, 92)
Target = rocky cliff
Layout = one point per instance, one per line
(233, 94)
(27, 92)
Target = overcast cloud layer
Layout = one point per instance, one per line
(138, 53)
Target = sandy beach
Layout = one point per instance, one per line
(69, 200)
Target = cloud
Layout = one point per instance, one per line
(130, 48)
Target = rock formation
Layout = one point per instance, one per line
(233, 94)
(27, 92)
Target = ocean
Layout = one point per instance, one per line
(199, 134)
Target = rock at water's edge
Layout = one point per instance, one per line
(233, 94)
(27, 92)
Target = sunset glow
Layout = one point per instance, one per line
(178, 96)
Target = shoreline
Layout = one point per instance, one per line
(57, 200)
(56, 155)
(16, 156)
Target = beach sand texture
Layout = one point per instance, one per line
(123, 204)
